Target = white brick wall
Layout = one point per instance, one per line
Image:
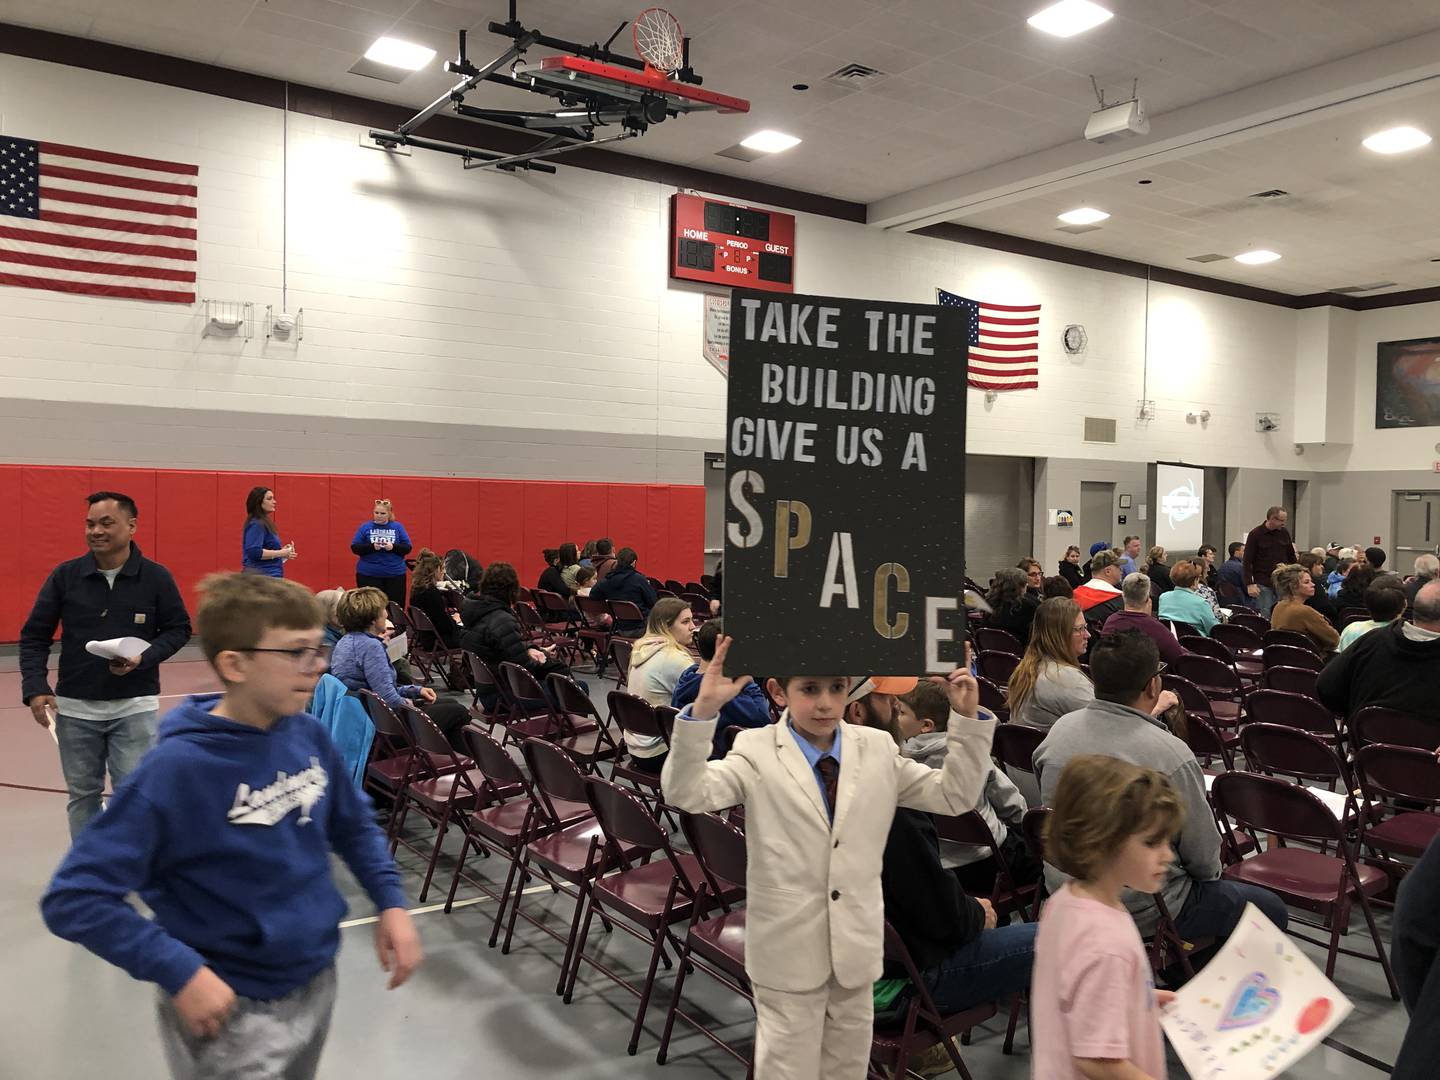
(503, 325)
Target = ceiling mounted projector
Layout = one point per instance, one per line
(1122, 121)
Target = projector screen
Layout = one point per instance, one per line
(1179, 515)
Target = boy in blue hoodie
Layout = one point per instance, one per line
(225, 830)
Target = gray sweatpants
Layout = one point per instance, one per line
(262, 1040)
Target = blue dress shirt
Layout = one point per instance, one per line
(813, 756)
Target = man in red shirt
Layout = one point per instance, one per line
(1099, 597)
(1269, 545)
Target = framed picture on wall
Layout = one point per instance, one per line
(1124, 502)
(1407, 383)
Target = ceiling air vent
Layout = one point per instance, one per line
(1098, 429)
(1212, 257)
(1367, 287)
(1273, 193)
(855, 77)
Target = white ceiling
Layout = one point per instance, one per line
(971, 88)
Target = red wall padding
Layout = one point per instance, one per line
(192, 520)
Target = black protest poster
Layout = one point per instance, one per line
(845, 486)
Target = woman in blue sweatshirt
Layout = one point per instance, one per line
(382, 544)
(260, 548)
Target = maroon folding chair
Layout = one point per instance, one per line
(594, 629)
(715, 945)
(500, 828)
(1007, 896)
(581, 722)
(568, 854)
(1287, 637)
(620, 649)
(443, 800)
(1349, 613)
(1396, 780)
(1186, 631)
(1294, 710)
(392, 763)
(997, 666)
(583, 740)
(1377, 724)
(1249, 670)
(1032, 827)
(644, 899)
(1294, 680)
(920, 1026)
(1198, 707)
(562, 621)
(431, 652)
(1243, 616)
(1240, 639)
(527, 595)
(1014, 746)
(676, 587)
(625, 611)
(993, 698)
(1301, 755)
(1314, 881)
(699, 606)
(1207, 742)
(1278, 654)
(483, 684)
(401, 623)
(994, 639)
(637, 717)
(699, 588)
(524, 715)
(1217, 681)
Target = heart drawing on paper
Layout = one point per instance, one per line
(1253, 1001)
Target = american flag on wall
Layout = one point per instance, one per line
(1004, 343)
(88, 221)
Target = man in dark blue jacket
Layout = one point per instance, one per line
(104, 711)
(626, 583)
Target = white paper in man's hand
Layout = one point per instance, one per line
(120, 648)
(1256, 1009)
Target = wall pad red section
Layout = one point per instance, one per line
(192, 520)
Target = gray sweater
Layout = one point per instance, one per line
(1058, 690)
(1125, 733)
(999, 804)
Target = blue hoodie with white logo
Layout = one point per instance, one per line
(225, 831)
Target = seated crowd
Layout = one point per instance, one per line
(1131, 839)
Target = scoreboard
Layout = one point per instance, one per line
(720, 243)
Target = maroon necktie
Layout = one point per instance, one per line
(829, 770)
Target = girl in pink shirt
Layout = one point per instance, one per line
(1094, 1007)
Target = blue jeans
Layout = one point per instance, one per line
(89, 747)
(994, 966)
(1213, 908)
(1265, 602)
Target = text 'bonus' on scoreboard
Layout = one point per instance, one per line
(741, 247)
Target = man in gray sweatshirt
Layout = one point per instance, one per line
(1125, 669)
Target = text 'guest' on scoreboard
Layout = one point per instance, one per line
(741, 247)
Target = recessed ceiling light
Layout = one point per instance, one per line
(769, 142)
(401, 54)
(1396, 140)
(1255, 258)
(1084, 215)
(1069, 17)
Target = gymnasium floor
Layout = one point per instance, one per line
(66, 1014)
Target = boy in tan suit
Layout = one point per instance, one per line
(819, 796)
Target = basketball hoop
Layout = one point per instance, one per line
(659, 41)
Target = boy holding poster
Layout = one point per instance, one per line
(819, 797)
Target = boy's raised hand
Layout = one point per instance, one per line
(716, 688)
(397, 944)
(961, 688)
(204, 1004)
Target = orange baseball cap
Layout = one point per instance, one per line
(882, 684)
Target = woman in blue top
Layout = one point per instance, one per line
(1183, 603)
(260, 549)
(382, 544)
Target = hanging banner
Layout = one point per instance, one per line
(845, 486)
(717, 332)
